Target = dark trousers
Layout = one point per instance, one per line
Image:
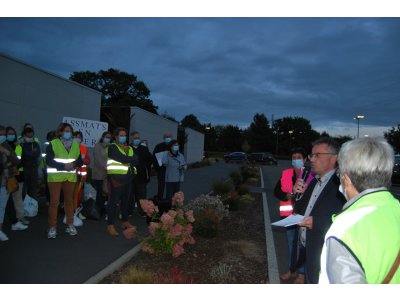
(31, 181)
(10, 211)
(161, 183)
(100, 198)
(44, 171)
(119, 195)
(138, 192)
(172, 188)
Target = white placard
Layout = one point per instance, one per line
(159, 156)
(91, 130)
(291, 220)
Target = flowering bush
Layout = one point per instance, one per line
(202, 202)
(171, 231)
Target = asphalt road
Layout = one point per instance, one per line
(29, 257)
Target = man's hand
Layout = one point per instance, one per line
(69, 167)
(299, 186)
(307, 222)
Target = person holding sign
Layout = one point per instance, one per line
(158, 153)
(121, 166)
(63, 158)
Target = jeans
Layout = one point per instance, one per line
(138, 192)
(100, 198)
(172, 188)
(119, 195)
(31, 181)
(161, 183)
(18, 201)
(3, 202)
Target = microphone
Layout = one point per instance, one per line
(304, 177)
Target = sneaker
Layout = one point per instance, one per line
(18, 226)
(24, 221)
(3, 236)
(52, 233)
(82, 217)
(71, 230)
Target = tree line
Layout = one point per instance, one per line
(121, 90)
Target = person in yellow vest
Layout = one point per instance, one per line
(363, 243)
(121, 166)
(63, 158)
(49, 137)
(82, 171)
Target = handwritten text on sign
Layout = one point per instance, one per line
(91, 130)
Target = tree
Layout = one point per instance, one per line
(393, 137)
(191, 121)
(169, 117)
(229, 138)
(120, 90)
(341, 139)
(260, 134)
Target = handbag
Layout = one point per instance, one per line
(12, 185)
(393, 270)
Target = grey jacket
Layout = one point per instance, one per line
(172, 164)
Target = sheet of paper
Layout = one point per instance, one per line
(288, 221)
(159, 157)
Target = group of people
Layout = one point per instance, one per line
(350, 230)
(121, 170)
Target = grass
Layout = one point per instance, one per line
(136, 276)
(245, 248)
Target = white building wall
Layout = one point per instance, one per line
(31, 95)
(194, 147)
(151, 127)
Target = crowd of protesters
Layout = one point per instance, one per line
(121, 169)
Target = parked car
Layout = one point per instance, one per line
(396, 169)
(235, 156)
(263, 157)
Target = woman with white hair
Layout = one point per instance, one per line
(363, 243)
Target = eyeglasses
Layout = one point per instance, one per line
(316, 155)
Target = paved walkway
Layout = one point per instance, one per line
(29, 257)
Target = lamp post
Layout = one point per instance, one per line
(358, 118)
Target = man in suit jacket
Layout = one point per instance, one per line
(320, 201)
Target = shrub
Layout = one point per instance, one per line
(175, 276)
(232, 200)
(252, 181)
(222, 273)
(221, 188)
(171, 231)
(243, 189)
(135, 276)
(246, 172)
(247, 198)
(207, 223)
(202, 202)
(236, 178)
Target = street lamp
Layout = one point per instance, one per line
(358, 118)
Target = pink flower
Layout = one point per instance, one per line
(167, 221)
(189, 216)
(172, 213)
(130, 233)
(178, 199)
(177, 250)
(153, 226)
(180, 213)
(148, 207)
(190, 240)
(148, 249)
(176, 231)
(188, 229)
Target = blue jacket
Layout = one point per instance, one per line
(172, 164)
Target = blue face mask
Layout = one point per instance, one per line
(122, 139)
(78, 140)
(3, 138)
(11, 137)
(175, 148)
(297, 163)
(136, 142)
(167, 140)
(106, 141)
(67, 135)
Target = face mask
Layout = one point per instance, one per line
(175, 148)
(67, 135)
(136, 142)
(297, 163)
(167, 140)
(122, 139)
(78, 140)
(106, 141)
(3, 138)
(11, 137)
(28, 139)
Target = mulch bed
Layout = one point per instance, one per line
(240, 246)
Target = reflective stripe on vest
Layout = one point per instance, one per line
(115, 167)
(286, 207)
(370, 228)
(18, 153)
(62, 156)
(83, 170)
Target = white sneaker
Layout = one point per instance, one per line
(71, 230)
(82, 217)
(52, 233)
(18, 226)
(3, 236)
